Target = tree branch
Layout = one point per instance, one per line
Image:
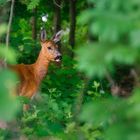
(9, 23)
(57, 4)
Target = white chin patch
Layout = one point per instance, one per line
(57, 60)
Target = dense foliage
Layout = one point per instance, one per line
(76, 100)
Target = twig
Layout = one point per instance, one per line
(9, 27)
(9, 23)
(136, 77)
(57, 4)
(79, 100)
(78, 107)
(109, 78)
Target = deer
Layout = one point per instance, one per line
(31, 75)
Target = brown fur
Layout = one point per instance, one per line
(32, 75)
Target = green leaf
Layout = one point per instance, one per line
(33, 4)
(96, 84)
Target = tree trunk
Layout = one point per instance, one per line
(57, 16)
(4, 11)
(34, 25)
(72, 13)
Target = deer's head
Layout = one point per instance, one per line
(49, 47)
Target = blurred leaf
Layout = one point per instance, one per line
(91, 59)
(9, 105)
(121, 54)
(2, 29)
(7, 54)
(3, 2)
(134, 38)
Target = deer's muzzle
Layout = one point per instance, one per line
(58, 58)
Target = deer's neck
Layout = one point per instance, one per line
(41, 66)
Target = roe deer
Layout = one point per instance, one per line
(32, 75)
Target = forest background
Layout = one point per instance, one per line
(94, 93)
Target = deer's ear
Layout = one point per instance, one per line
(57, 36)
(43, 35)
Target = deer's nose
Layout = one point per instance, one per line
(58, 57)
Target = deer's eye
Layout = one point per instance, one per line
(49, 48)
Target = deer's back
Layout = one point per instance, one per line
(28, 82)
